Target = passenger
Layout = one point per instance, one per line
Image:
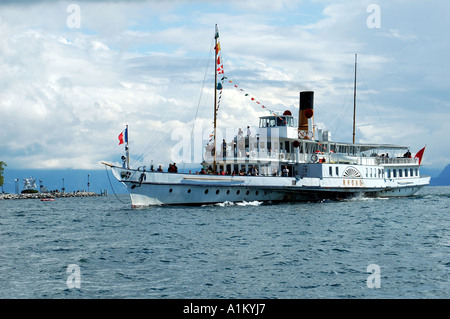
(159, 169)
(285, 171)
(175, 168)
(224, 149)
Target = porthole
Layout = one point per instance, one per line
(248, 192)
(217, 192)
(228, 192)
(206, 191)
(256, 193)
(238, 192)
(189, 191)
(170, 190)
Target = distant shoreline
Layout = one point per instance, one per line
(47, 195)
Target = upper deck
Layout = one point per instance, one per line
(281, 126)
(277, 140)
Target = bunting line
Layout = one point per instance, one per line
(220, 70)
(253, 99)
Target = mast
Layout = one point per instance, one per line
(216, 36)
(126, 147)
(354, 102)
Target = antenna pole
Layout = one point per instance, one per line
(354, 102)
(215, 97)
(127, 149)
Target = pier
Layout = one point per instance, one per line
(48, 195)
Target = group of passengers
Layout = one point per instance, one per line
(172, 168)
(252, 171)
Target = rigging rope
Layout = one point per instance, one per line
(112, 186)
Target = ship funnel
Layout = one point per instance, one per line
(306, 114)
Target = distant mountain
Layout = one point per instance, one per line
(443, 179)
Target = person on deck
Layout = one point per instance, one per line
(224, 149)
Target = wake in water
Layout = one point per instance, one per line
(244, 203)
(362, 198)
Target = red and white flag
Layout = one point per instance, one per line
(419, 154)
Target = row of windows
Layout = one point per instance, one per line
(379, 172)
(402, 172)
(218, 191)
(374, 172)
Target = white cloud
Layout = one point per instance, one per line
(65, 94)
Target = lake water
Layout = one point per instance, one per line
(99, 247)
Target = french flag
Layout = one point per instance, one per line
(123, 137)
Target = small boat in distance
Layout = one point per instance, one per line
(287, 159)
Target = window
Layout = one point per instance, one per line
(206, 191)
(286, 146)
(337, 171)
(331, 171)
(281, 121)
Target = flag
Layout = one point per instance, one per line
(217, 47)
(123, 137)
(419, 154)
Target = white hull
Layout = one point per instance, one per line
(193, 189)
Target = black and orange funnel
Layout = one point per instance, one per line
(306, 113)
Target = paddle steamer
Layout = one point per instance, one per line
(287, 159)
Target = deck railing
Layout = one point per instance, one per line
(396, 160)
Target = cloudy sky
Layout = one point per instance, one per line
(73, 74)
